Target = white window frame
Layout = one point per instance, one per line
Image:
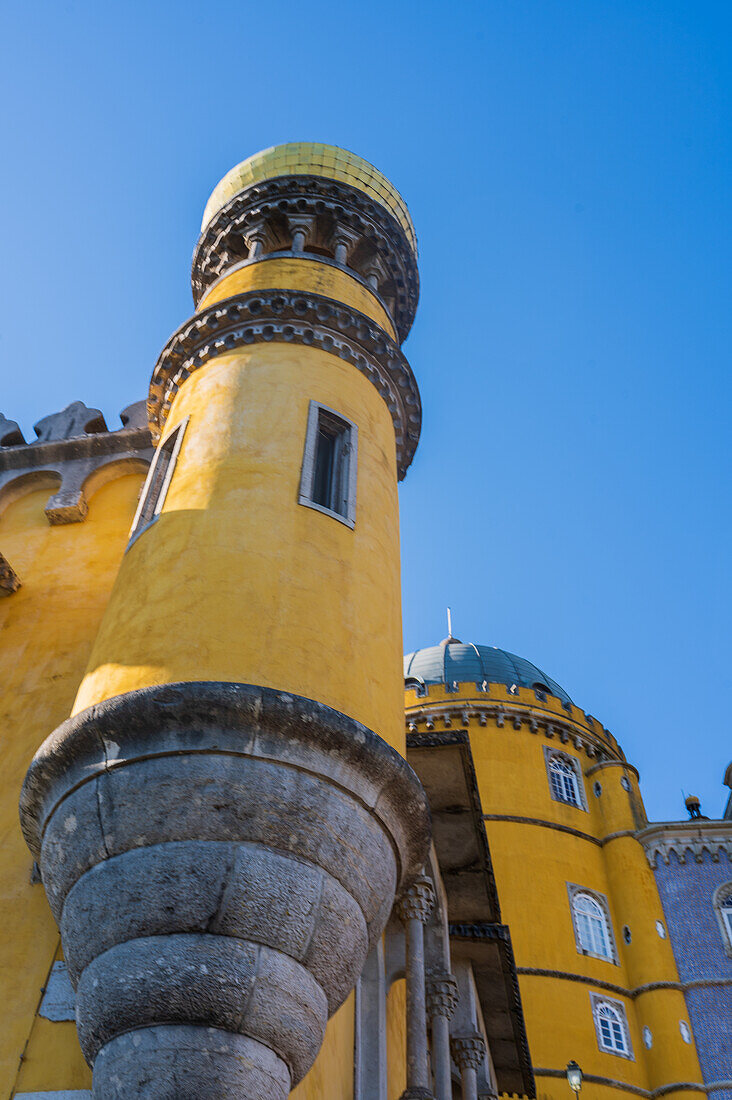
(347, 457)
(574, 764)
(597, 1002)
(169, 448)
(575, 892)
(724, 915)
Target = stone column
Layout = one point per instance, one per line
(255, 242)
(341, 250)
(300, 227)
(469, 1053)
(414, 911)
(442, 996)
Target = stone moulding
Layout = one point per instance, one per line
(335, 211)
(421, 722)
(295, 317)
(687, 841)
(220, 858)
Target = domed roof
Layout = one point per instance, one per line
(308, 158)
(454, 662)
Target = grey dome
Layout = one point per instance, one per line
(453, 661)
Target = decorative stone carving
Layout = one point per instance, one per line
(9, 579)
(442, 995)
(686, 841)
(75, 466)
(592, 744)
(418, 902)
(10, 433)
(297, 317)
(358, 232)
(468, 1051)
(220, 858)
(76, 419)
(134, 417)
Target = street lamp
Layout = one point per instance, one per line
(574, 1076)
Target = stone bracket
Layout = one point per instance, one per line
(9, 579)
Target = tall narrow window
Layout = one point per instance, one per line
(591, 923)
(723, 905)
(611, 1026)
(155, 489)
(565, 782)
(328, 480)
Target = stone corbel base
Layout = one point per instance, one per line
(220, 858)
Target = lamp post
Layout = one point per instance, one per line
(574, 1077)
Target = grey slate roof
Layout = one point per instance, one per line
(453, 661)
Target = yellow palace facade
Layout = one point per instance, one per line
(247, 865)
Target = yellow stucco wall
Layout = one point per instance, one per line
(46, 629)
(300, 274)
(396, 1041)
(313, 605)
(331, 1077)
(539, 846)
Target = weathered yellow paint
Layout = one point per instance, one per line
(396, 1040)
(300, 274)
(534, 859)
(52, 1055)
(47, 630)
(312, 159)
(332, 1073)
(313, 605)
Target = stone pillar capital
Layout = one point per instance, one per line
(418, 902)
(300, 227)
(374, 271)
(442, 995)
(255, 239)
(468, 1051)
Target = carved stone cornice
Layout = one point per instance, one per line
(294, 317)
(687, 840)
(336, 213)
(423, 725)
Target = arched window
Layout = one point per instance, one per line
(564, 780)
(591, 926)
(723, 905)
(612, 1032)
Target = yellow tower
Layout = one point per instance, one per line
(562, 807)
(224, 822)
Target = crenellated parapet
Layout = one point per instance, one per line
(74, 454)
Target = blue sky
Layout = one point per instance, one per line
(567, 165)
